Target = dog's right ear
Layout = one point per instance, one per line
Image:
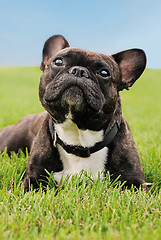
(51, 47)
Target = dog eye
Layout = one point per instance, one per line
(58, 62)
(104, 73)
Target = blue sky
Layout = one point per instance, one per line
(102, 26)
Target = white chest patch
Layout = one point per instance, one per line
(69, 133)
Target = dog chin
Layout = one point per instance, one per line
(74, 97)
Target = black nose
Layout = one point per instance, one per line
(79, 71)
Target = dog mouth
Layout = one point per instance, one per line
(73, 96)
(74, 91)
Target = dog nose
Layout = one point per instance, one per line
(79, 71)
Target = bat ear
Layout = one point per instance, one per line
(51, 47)
(132, 64)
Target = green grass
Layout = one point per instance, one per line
(82, 208)
(18, 93)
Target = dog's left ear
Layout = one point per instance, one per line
(51, 47)
(132, 64)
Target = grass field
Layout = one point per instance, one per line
(82, 209)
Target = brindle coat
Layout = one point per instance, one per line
(85, 85)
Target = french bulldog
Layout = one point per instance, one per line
(83, 126)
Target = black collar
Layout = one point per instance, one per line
(83, 151)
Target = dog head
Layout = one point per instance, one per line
(84, 85)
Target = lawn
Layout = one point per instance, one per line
(82, 208)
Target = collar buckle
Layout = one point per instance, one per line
(55, 139)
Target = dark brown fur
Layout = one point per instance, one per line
(95, 104)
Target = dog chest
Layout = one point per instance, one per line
(70, 134)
